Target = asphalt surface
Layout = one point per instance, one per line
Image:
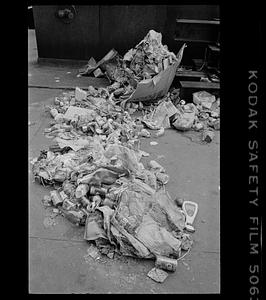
(56, 253)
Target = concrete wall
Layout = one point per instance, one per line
(97, 29)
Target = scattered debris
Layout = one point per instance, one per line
(143, 73)
(190, 209)
(160, 132)
(185, 117)
(186, 265)
(93, 252)
(49, 221)
(47, 200)
(204, 99)
(56, 198)
(207, 136)
(166, 263)
(94, 165)
(110, 255)
(157, 275)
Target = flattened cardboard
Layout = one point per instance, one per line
(158, 86)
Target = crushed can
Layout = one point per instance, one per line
(166, 263)
(67, 204)
(95, 190)
(56, 198)
(63, 195)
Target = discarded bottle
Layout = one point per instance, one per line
(166, 263)
(67, 205)
(95, 190)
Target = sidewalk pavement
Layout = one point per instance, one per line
(56, 262)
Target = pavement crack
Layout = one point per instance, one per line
(54, 87)
(204, 251)
(55, 239)
(81, 241)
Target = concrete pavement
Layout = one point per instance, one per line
(56, 253)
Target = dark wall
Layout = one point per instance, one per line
(75, 40)
(122, 27)
(97, 29)
(201, 12)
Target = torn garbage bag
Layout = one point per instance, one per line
(147, 223)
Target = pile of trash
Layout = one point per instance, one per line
(143, 73)
(94, 163)
(202, 115)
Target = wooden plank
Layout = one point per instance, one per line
(199, 85)
(214, 48)
(196, 74)
(187, 88)
(192, 40)
(194, 21)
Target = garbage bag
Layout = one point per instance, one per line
(147, 222)
(184, 119)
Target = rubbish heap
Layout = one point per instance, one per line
(139, 75)
(202, 115)
(99, 181)
(95, 168)
(144, 72)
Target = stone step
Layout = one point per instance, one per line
(187, 88)
(197, 21)
(189, 75)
